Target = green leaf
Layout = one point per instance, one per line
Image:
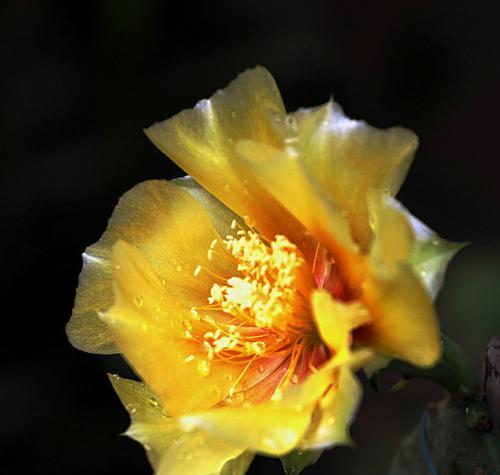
(294, 462)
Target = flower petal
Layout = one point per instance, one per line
(404, 323)
(348, 157)
(394, 239)
(285, 177)
(336, 412)
(335, 320)
(148, 321)
(201, 141)
(333, 416)
(171, 450)
(174, 233)
(273, 427)
(220, 215)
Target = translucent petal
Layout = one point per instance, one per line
(174, 233)
(348, 157)
(149, 324)
(202, 140)
(431, 254)
(169, 449)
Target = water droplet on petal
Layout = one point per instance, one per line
(153, 402)
(238, 398)
(215, 390)
(138, 301)
(204, 367)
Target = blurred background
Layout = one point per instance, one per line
(79, 82)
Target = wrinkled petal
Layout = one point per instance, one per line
(174, 233)
(201, 141)
(404, 323)
(349, 157)
(148, 322)
(169, 449)
(284, 176)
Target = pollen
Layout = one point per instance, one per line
(264, 294)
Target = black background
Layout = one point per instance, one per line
(79, 82)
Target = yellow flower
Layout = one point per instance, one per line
(247, 296)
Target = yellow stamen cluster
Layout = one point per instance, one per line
(265, 295)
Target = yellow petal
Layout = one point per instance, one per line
(273, 427)
(394, 239)
(404, 322)
(172, 230)
(348, 157)
(284, 176)
(220, 216)
(169, 449)
(336, 413)
(335, 320)
(201, 141)
(148, 322)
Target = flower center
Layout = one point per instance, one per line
(262, 313)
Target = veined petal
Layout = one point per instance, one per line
(284, 176)
(348, 157)
(274, 427)
(169, 449)
(404, 323)
(148, 323)
(202, 140)
(172, 230)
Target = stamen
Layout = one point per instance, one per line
(260, 310)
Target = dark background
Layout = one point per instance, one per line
(79, 82)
